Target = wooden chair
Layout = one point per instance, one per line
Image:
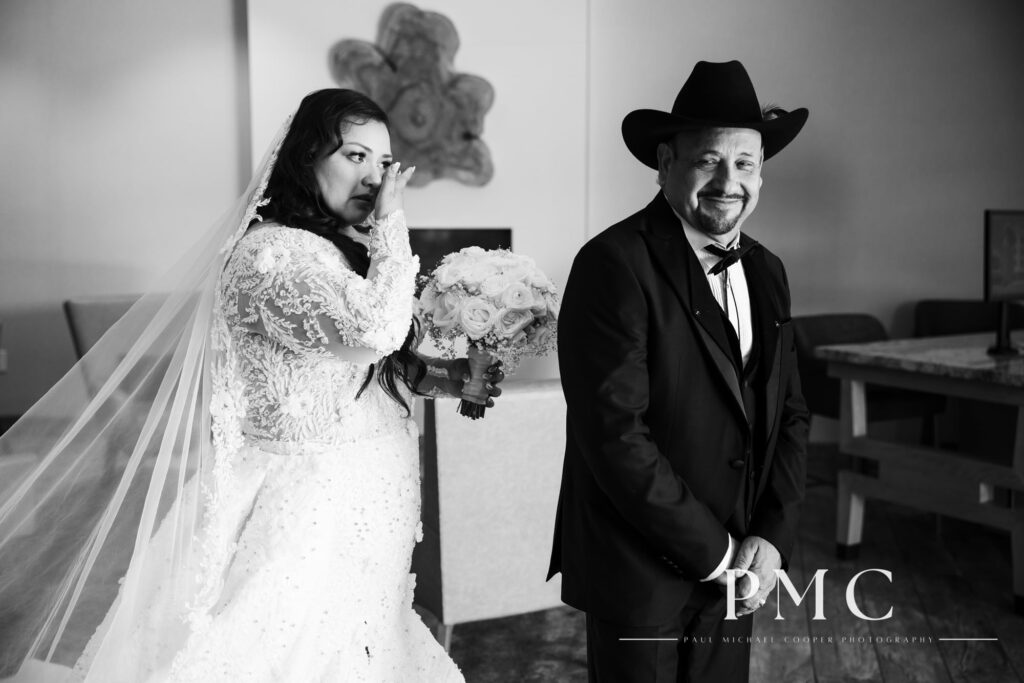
(941, 317)
(822, 391)
(89, 318)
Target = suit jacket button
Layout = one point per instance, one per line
(737, 464)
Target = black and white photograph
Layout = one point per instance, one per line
(662, 341)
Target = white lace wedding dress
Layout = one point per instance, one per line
(302, 564)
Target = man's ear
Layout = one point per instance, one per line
(666, 155)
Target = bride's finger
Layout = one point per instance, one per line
(386, 191)
(404, 176)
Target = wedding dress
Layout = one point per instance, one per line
(304, 567)
(282, 553)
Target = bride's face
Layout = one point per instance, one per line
(349, 177)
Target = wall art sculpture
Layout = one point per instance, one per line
(437, 114)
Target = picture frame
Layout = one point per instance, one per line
(1004, 255)
(433, 244)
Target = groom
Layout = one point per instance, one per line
(686, 427)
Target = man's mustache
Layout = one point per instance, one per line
(719, 195)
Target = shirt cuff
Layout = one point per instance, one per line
(723, 565)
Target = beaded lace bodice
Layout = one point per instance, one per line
(288, 297)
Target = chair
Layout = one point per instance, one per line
(822, 392)
(90, 317)
(941, 317)
(983, 429)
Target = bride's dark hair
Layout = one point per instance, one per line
(295, 200)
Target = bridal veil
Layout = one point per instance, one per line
(126, 444)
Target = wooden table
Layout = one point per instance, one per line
(932, 479)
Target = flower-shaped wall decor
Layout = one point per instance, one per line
(437, 114)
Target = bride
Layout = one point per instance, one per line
(257, 520)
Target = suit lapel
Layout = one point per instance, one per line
(672, 255)
(766, 310)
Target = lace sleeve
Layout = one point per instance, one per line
(295, 287)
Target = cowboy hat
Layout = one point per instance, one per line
(716, 95)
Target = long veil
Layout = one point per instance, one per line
(123, 450)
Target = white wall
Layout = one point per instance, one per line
(916, 127)
(535, 129)
(120, 144)
(120, 131)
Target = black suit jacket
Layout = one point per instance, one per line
(656, 429)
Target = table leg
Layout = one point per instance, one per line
(1017, 562)
(1017, 532)
(443, 634)
(853, 422)
(849, 516)
(853, 410)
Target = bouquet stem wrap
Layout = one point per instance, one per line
(474, 395)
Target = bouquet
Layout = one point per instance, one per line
(499, 302)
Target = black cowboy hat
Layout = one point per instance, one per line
(716, 95)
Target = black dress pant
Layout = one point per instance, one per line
(699, 646)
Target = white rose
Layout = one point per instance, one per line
(449, 274)
(447, 310)
(477, 318)
(553, 305)
(511, 321)
(477, 272)
(518, 260)
(494, 285)
(517, 295)
(428, 299)
(441, 277)
(539, 336)
(521, 276)
(538, 279)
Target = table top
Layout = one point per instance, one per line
(961, 357)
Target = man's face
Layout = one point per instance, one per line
(712, 177)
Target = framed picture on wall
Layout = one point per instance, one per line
(433, 244)
(1004, 255)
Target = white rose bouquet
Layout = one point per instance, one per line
(500, 302)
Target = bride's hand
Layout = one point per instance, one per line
(458, 375)
(392, 188)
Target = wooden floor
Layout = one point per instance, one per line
(951, 579)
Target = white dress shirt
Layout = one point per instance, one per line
(730, 292)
